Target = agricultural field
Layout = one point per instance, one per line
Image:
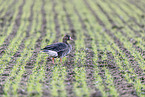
(108, 55)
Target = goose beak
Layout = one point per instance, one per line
(71, 39)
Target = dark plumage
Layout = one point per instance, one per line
(58, 50)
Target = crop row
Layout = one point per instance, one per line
(109, 31)
(133, 52)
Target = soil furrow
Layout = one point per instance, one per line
(24, 78)
(30, 64)
(134, 42)
(48, 75)
(70, 60)
(20, 49)
(71, 27)
(102, 63)
(15, 27)
(2, 4)
(102, 72)
(107, 54)
(121, 46)
(9, 14)
(56, 21)
(30, 21)
(108, 17)
(17, 54)
(38, 41)
(89, 55)
(123, 21)
(137, 69)
(6, 18)
(8, 69)
(123, 33)
(131, 18)
(22, 45)
(137, 4)
(124, 88)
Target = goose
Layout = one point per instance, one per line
(58, 50)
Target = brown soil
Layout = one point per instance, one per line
(10, 65)
(124, 88)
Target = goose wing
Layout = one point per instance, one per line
(56, 47)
